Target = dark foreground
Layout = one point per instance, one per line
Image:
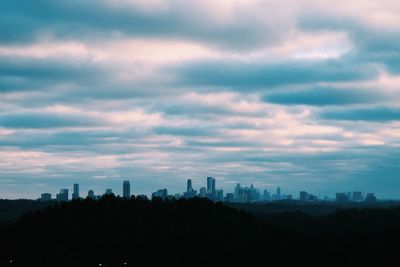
(135, 232)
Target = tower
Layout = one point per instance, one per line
(126, 188)
(63, 195)
(209, 185)
(278, 193)
(75, 194)
(90, 194)
(189, 186)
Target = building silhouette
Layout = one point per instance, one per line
(266, 195)
(229, 198)
(342, 197)
(303, 196)
(189, 187)
(213, 187)
(209, 184)
(91, 194)
(370, 197)
(358, 196)
(75, 194)
(45, 197)
(247, 194)
(161, 193)
(63, 195)
(190, 192)
(240, 194)
(108, 191)
(203, 192)
(126, 189)
(219, 195)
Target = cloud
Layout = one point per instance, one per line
(378, 114)
(238, 74)
(75, 19)
(304, 95)
(326, 96)
(44, 120)
(27, 74)
(373, 41)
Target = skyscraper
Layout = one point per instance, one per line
(90, 194)
(209, 185)
(358, 196)
(126, 189)
(189, 186)
(63, 195)
(203, 192)
(75, 194)
(219, 195)
(267, 195)
(213, 187)
(278, 193)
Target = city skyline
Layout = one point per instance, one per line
(241, 194)
(304, 94)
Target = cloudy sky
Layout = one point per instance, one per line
(301, 94)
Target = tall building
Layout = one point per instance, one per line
(209, 184)
(240, 194)
(266, 195)
(213, 187)
(126, 189)
(45, 197)
(190, 192)
(75, 194)
(203, 192)
(189, 187)
(63, 195)
(358, 196)
(219, 195)
(253, 194)
(278, 193)
(90, 194)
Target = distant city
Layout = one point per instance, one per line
(247, 194)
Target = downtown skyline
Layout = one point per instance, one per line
(301, 94)
(209, 190)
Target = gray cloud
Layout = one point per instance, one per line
(44, 120)
(90, 19)
(250, 76)
(371, 45)
(379, 114)
(326, 96)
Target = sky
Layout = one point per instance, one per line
(301, 94)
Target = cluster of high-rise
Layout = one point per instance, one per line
(64, 193)
(241, 194)
(355, 196)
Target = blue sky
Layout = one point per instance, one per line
(304, 95)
